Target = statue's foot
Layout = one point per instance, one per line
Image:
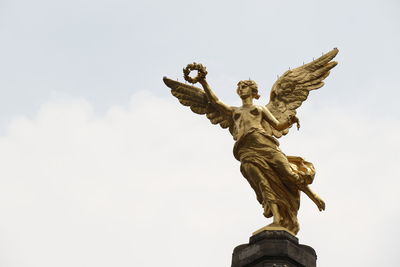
(274, 224)
(274, 227)
(320, 203)
(267, 213)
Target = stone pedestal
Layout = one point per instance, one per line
(273, 249)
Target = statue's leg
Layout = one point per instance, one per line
(265, 188)
(277, 216)
(282, 166)
(314, 197)
(253, 183)
(270, 203)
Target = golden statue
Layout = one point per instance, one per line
(277, 179)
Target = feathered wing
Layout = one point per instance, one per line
(293, 87)
(198, 102)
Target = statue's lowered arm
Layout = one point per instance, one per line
(279, 125)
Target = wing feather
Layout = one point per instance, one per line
(292, 88)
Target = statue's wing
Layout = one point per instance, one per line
(198, 102)
(293, 87)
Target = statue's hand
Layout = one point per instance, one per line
(293, 119)
(201, 73)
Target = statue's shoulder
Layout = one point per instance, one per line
(260, 107)
(235, 109)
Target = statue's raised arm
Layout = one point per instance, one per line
(201, 101)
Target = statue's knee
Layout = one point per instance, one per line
(286, 170)
(245, 166)
(248, 168)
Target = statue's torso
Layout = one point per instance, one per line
(245, 119)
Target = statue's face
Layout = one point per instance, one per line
(244, 91)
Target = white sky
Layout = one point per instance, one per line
(101, 166)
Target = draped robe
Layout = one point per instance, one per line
(258, 149)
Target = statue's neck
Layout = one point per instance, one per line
(248, 101)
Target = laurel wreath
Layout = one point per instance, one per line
(201, 72)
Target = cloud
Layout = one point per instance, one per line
(153, 184)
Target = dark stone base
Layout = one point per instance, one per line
(274, 249)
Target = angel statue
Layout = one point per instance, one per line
(276, 178)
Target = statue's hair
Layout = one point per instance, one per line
(253, 85)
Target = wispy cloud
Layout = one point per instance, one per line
(152, 183)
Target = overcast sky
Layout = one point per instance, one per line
(101, 166)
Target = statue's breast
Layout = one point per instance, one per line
(247, 113)
(255, 112)
(236, 115)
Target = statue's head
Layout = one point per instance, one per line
(247, 88)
